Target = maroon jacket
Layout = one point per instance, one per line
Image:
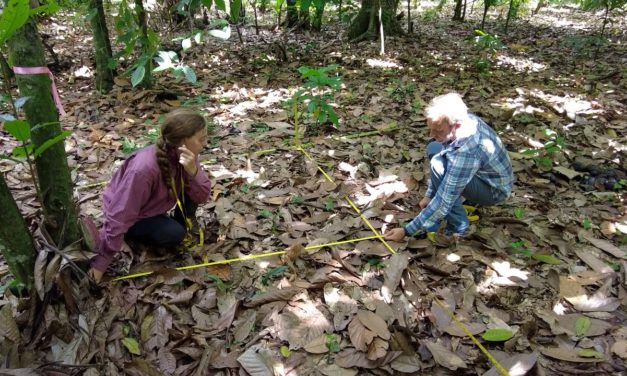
(137, 191)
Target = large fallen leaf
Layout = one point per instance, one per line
(301, 325)
(620, 348)
(377, 349)
(406, 364)
(570, 174)
(360, 336)
(568, 355)
(132, 345)
(272, 296)
(259, 361)
(141, 367)
(497, 335)
(8, 327)
(392, 274)
(40, 273)
(374, 323)
(335, 370)
(445, 357)
(474, 328)
(587, 256)
(244, 325)
(318, 345)
(351, 357)
(517, 365)
(604, 245)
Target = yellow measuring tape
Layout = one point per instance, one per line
(188, 241)
(430, 294)
(244, 258)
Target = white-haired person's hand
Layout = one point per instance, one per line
(395, 234)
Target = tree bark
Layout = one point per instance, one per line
(292, 13)
(316, 24)
(16, 244)
(457, 15)
(361, 28)
(102, 46)
(26, 50)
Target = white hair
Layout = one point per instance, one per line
(448, 106)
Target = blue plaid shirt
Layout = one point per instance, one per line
(480, 155)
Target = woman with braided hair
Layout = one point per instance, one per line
(150, 183)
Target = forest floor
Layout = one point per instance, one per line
(549, 265)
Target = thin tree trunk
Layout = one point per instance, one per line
(457, 15)
(409, 23)
(605, 21)
(292, 13)
(102, 46)
(143, 24)
(339, 13)
(26, 50)
(485, 12)
(16, 244)
(254, 5)
(319, 12)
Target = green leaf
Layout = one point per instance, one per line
(328, 204)
(236, 6)
(298, 199)
(285, 351)
(187, 44)
(547, 259)
(50, 8)
(265, 213)
(207, 3)
(138, 75)
(519, 213)
(220, 5)
(43, 147)
(190, 75)
(582, 325)
(22, 151)
(132, 345)
(497, 335)
(14, 16)
(198, 37)
(589, 353)
(19, 129)
(332, 343)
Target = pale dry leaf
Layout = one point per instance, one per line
(225, 321)
(244, 325)
(587, 256)
(351, 357)
(203, 320)
(444, 357)
(294, 252)
(52, 269)
(8, 326)
(604, 245)
(374, 323)
(40, 273)
(360, 336)
(167, 361)
(392, 274)
(318, 345)
(517, 365)
(377, 349)
(259, 361)
(620, 348)
(474, 328)
(406, 364)
(302, 326)
(272, 296)
(569, 355)
(335, 370)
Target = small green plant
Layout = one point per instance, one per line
(298, 199)
(586, 224)
(329, 204)
(220, 284)
(333, 343)
(274, 216)
(544, 157)
(272, 274)
(519, 213)
(520, 247)
(401, 92)
(319, 89)
(375, 262)
(130, 146)
(489, 45)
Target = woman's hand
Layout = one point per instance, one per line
(187, 159)
(424, 202)
(395, 234)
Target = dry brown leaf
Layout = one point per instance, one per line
(302, 325)
(374, 323)
(221, 271)
(225, 321)
(167, 361)
(294, 252)
(203, 320)
(318, 345)
(259, 361)
(8, 327)
(569, 355)
(620, 348)
(406, 363)
(474, 328)
(141, 367)
(377, 349)
(272, 296)
(244, 325)
(445, 357)
(335, 370)
(587, 256)
(604, 245)
(350, 357)
(392, 274)
(40, 273)
(360, 336)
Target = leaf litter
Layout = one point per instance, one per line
(354, 309)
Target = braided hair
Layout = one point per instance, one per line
(178, 125)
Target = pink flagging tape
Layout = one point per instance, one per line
(53, 87)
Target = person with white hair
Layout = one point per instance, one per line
(467, 160)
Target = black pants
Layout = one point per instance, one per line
(164, 231)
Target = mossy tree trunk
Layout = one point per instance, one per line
(363, 28)
(26, 50)
(16, 244)
(102, 46)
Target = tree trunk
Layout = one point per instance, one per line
(360, 27)
(143, 24)
(26, 50)
(303, 21)
(102, 45)
(319, 11)
(510, 13)
(292, 13)
(457, 15)
(16, 244)
(486, 6)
